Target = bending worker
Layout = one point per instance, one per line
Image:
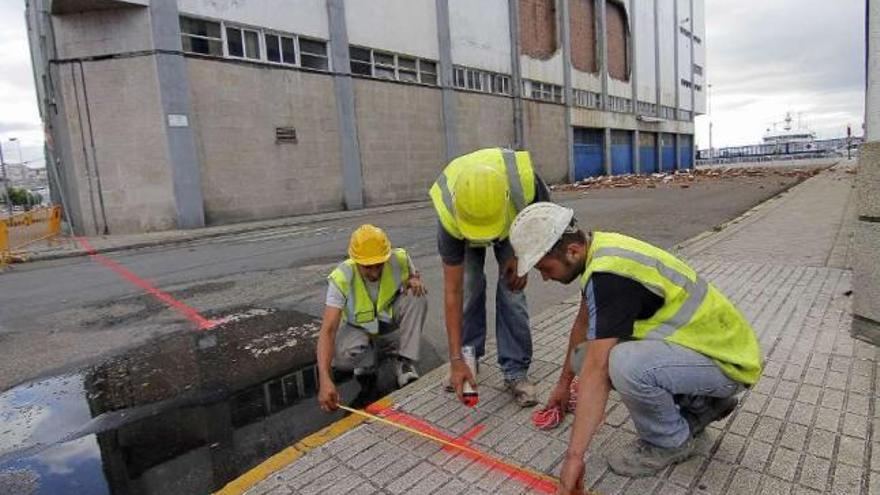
(671, 344)
(380, 295)
(476, 198)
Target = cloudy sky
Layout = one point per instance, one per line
(764, 58)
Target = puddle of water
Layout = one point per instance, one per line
(184, 414)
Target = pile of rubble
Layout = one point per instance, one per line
(681, 179)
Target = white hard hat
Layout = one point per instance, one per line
(535, 230)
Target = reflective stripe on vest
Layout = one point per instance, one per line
(694, 314)
(520, 194)
(360, 310)
(696, 291)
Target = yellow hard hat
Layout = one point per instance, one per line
(481, 201)
(369, 245)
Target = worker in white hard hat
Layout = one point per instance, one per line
(476, 197)
(672, 345)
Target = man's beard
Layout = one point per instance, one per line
(573, 270)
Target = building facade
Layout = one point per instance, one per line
(179, 113)
(866, 241)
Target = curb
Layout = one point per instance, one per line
(199, 234)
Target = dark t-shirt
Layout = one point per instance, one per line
(615, 303)
(452, 249)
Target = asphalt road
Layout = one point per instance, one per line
(59, 315)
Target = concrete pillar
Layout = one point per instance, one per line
(606, 150)
(659, 151)
(352, 174)
(637, 159)
(676, 140)
(657, 81)
(603, 51)
(446, 83)
(515, 77)
(633, 43)
(677, 81)
(866, 242)
(569, 94)
(173, 75)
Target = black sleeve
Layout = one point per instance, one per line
(618, 303)
(542, 192)
(451, 249)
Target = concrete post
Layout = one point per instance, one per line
(657, 82)
(634, 74)
(446, 83)
(676, 139)
(569, 94)
(519, 136)
(866, 242)
(637, 159)
(677, 82)
(352, 174)
(606, 150)
(658, 144)
(171, 68)
(603, 51)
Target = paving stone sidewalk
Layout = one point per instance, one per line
(806, 427)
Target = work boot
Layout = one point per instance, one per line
(718, 409)
(640, 458)
(405, 371)
(523, 391)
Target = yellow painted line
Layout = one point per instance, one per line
(289, 455)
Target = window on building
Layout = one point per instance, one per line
(480, 80)
(243, 43)
(617, 31)
(375, 63)
(200, 36)
(273, 48)
(587, 99)
(697, 39)
(313, 54)
(582, 24)
(686, 83)
(543, 91)
(698, 69)
(288, 50)
(428, 72)
(361, 61)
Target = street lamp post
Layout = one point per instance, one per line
(5, 181)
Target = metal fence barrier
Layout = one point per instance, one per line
(23, 229)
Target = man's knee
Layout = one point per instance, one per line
(625, 367)
(350, 356)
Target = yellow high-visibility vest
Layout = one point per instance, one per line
(360, 309)
(694, 314)
(515, 165)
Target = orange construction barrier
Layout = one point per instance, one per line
(22, 229)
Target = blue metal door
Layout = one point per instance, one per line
(685, 144)
(588, 153)
(668, 142)
(621, 152)
(647, 152)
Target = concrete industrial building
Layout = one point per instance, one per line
(179, 113)
(866, 245)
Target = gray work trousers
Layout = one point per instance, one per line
(355, 348)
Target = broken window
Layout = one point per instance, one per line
(537, 28)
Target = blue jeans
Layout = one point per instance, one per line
(512, 333)
(656, 378)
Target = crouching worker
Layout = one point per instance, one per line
(375, 301)
(675, 349)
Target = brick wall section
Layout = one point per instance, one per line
(246, 175)
(400, 131)
(537, 28)
(582, 24)
(483, 121)
(545, 136)
(618, 39)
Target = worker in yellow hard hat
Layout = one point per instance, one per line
(476, 198)
(379, 298)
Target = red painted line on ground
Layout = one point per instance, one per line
(187, 311)
(531, 480)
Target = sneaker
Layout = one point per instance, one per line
(718, 409)
(523, 391)
(640, 458)
(405, 372)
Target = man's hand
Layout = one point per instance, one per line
(571, 478)
(415, 286)
(458, 374)
(328, 398)
(514, 283)
(559, 396)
